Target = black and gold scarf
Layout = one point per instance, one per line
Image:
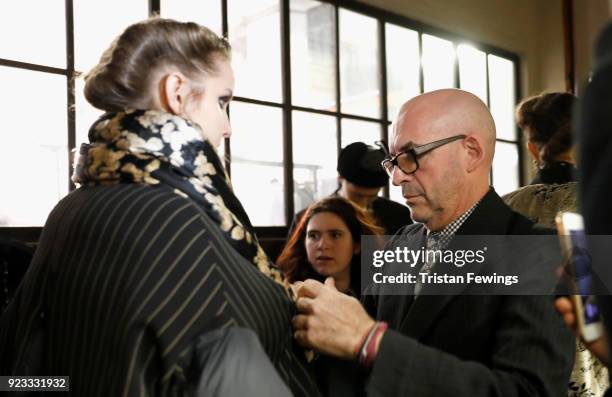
(153, 147)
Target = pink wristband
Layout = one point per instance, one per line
(367, 353)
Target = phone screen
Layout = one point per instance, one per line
(581, 262)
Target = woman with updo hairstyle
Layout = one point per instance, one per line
(546, 120)
(148, 278)
(327, 243)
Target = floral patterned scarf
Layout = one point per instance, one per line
(153, 147)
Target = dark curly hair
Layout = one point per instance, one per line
(547, 120)
(293, 260)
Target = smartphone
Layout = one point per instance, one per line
(578, 264)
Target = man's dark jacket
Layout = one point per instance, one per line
(468, 345)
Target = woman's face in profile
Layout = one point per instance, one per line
(209, 110)
(329, 245)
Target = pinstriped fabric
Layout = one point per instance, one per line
(129, 278)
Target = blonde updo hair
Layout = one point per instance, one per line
(122, 78)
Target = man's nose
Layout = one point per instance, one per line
(398, 176)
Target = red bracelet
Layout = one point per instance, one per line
(363, 341)
(367, 353)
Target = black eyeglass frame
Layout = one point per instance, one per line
(415, 152)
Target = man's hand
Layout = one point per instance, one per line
(599, 347)
(330, 321)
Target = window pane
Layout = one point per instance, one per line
(85, 114)
(315, 157)
(473, 70)
(254, 33)
(34, 31)
(402, 67)
(257, 162)
(96, 24)
(204, 12)
(35, 151)
(359, 131)
(438, 63)
(313, 54)
(505, 168)
(359, 64)
(501, 94)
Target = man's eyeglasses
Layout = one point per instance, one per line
(407, 161)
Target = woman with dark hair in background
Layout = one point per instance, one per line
(547, 122)
(148, 279)
(327, 243)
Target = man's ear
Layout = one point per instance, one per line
(173, 93)
(475, 152)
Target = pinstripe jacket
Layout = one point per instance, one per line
(123, 281)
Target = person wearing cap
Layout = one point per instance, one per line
(360, 177)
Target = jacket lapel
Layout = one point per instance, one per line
(392, 307)
(491, 217)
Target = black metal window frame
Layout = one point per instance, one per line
(286, 106)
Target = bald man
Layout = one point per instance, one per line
(460, 344)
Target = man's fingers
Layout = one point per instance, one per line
(300, 322)
(304, 305)
(310, 289)
(301, 337)
(563, 305)
(330, 282)
(295, 287)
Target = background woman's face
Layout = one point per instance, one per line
(209, 109)
(329, 245)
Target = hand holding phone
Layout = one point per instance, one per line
(578, 264)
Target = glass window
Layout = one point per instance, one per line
(472, 70)
(414, 61)
(34, 31)
(315, 157)
(505, 168)
(359, 64)
(204, 12)
(33, 150)
(402, 67)
(257, 162)
(313, 54)
(438, 63)
(254, 33)
(96, 24)
(359, 131)
(502, 97)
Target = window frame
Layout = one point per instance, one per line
(287, 107)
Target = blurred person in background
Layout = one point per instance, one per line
(547, 121)
(361, 178)
(594, 131)
(326, 243)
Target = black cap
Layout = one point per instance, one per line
(359, 164)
